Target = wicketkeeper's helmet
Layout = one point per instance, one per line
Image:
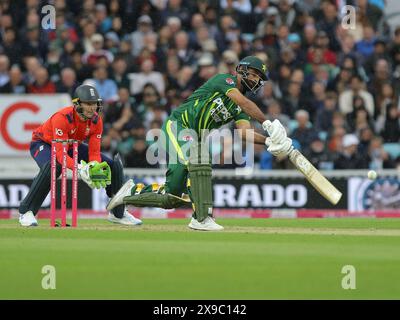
(86, 93)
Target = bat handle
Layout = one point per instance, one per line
(268, 143)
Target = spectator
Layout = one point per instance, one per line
(185, 81)
(16, 83)
(384, 98)
(174, 24)
(164, 41)
(145, 26)
(342, 80)
(379, 52)
(125, 49)
(136, 158)
(197, 21)
(324, 116)
(228, 62)
(175, 8)
(274, 112)
(267, 95)
(391, 130)
(82, 71)
(349, 158)
(207, 69)
(119, 115)
(91, 58)
(292, 100)
(322, 43)
(317, 154)
(370, 11)
(53, 63)
(381, 75)
(366, 134)
(147, 75)
(106, 87)
(329, 23)
(4, 70)
(359, 116)
(347, 49)
(67, 83)
(346, 98)
(294, 41)
(310, 36)
(10, 46)
(377, 157)
(88, 31)
(103, 21)
(173, 67)
(151, 108)
(317, 100)
(112, 42)
(119, 74)
(366, 46)
(31, 64)
(226, 32)
(185, 54)
(210, 18)
(335, 141)
(33, 44)
(304, 132)
(284, 78)
(42, 83)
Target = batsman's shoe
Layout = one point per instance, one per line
(207, 225)
(127, 219)
(28, 219)
(123, 192)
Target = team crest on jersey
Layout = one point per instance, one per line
(187, 138)
(230, 81)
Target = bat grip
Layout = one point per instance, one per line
(268, 143)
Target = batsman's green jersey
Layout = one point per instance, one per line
(209, 107)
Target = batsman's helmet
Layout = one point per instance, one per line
(260, 68)
(86, 93)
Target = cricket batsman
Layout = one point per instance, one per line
(79, 122)
(217, 102)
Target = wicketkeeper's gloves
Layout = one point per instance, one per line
(96, 175)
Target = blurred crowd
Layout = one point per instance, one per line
(333, 85)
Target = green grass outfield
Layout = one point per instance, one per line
(163, 259)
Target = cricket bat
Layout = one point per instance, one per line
(317, 180)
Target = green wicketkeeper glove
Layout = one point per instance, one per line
(96, 175)
(100, 174)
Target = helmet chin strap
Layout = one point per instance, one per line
(246, 86)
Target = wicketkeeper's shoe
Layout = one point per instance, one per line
(127, 219)
(28, 219)
(208, 224)
(123, 192)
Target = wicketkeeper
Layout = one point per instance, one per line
(219, 101)
(79, 122)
